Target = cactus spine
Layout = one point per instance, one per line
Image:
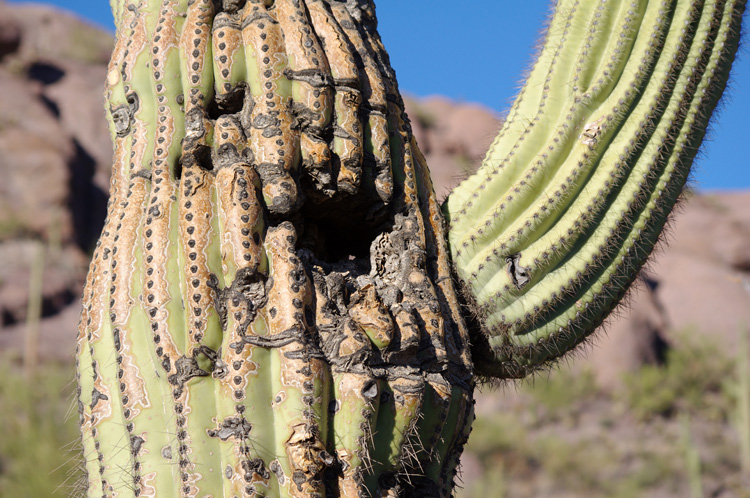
(271, 310)
(575, 190)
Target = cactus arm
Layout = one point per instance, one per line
(573, 194)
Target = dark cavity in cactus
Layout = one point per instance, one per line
(273, 308)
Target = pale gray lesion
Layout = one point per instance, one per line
(96, 396)
(519, 275)
(122, 117)
(592, 131)
(233, 427)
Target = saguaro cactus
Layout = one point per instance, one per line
(272, 308)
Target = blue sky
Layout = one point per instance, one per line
(477, 50)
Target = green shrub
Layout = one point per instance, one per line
(692, 379)
(39, 449)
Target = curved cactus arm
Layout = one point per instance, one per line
(573, 194)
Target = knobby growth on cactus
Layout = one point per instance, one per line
(271, 309)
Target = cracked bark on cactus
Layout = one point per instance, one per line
(271, 308)
(577, 187)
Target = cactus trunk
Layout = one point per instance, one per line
(271, 308)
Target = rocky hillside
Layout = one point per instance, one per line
(54, 160)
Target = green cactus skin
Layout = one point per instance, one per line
(574, 192)
(270, 309)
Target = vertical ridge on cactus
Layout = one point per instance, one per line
(271, 309)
